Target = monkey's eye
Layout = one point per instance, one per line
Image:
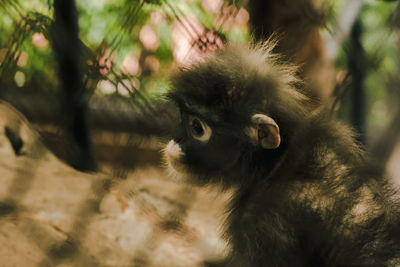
(199, 130)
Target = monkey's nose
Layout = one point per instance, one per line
(174, 156)
(178, 136)
(177, 139)
(173, 150)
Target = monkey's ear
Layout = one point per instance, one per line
(264, 131)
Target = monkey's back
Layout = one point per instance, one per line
(324, 207)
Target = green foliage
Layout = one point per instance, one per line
(379, 42)
(110, 34)
(381, 62)
(109, 30)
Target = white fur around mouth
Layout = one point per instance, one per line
(173, 155)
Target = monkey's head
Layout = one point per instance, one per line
(238, 110)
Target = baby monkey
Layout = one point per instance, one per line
(306, 194)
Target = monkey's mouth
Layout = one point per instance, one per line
(178, 165)
(174, 157)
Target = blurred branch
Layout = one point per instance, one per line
(211, 39)
(383, 148)
(31, 22)
(340, 92)
(344, 23)
(127, 22)
(4, 4)
(74, 99)
(114, 115)
(357, 69)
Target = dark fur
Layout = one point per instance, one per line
(315, 200)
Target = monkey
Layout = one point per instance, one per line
(306, 193)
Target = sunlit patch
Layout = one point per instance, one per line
(366, 207)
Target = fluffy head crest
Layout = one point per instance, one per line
(240, 80)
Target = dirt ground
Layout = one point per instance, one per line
(53, 215)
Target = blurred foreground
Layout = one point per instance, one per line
(53, 215)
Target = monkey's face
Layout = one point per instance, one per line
(209, 143)
(201, 148)
(230, 106)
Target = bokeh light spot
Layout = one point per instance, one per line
(212, 6)
(242, 17)
(19, 78)
(39, 40)
(149, 38)
(23, 59)
(152, 63)
(106, 87)
(130, 64)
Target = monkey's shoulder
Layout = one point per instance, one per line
(323, 148)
